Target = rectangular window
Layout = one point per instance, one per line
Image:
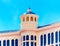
(31, 37)
(35, 43)
(12, 42)
(44, 39)
(23, 38)
(56, 36)
(23, 43)
(27, 37)
(49, 39)
(41, 38)
(59, 36)
(8, 43)
(27, 43)
(16, 42)
(4, 43)
(32, 44)
(35, 38)
(52, 38)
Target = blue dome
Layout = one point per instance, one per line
(29, 11)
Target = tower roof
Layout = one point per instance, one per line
(29, 11)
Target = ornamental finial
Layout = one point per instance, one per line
(29, 9)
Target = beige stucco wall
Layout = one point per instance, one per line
(49, 29)
(29, 25)
(37, 32)
(10, 36)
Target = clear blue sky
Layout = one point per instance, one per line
(10, 11)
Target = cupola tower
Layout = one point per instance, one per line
(29, 20)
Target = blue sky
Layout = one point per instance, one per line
(11, 10)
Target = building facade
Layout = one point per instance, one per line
(31, 34)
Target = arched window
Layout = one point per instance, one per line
(35, 18)
(52, 38)
(4, 42)
(0, 43)
(32, 44)
(23, 19)
(27, 37)
(59, 36)
(41, 38)
(32, 37)
(49, 39)
(45, 39)
(23, 38)
(23, 43)
(27, 43)
(16, 42)
(35, 43)
(56, 37)
(35, 37)
(8, 43)
(27, 18)
(31, 18)
(12, 42)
